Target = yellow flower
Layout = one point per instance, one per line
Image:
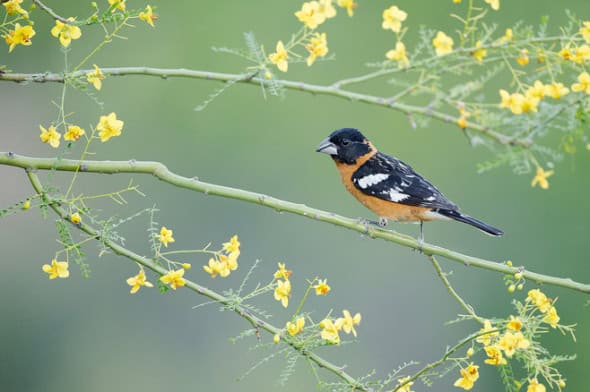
(510, 342)
(512, 101)
(148, 16)
(95, 77)
(565, 53)
(584, 83)
(279, 58)
(317, 47)
(57, 269)
(393, 18)
(514, 324)
(348, 322)
(73, 133)
(495, 356)
(120, 4)
(109, 126)
(165, 236)
(66, 32)
(230, 260)
(556, 90)
(508, 34)
(537, 90)
(495, 4)
(534, 386)
(399, 54)
(443, 44)
(233, 245)
(541, 179)
(137, 281)
(310, 14)
(21, 35)
(456, 1)
(327, 9)
(330, 331)
(50, 136)
(479, 53)
(350, 5)
(283, 292)
(216, 267)
(523, 57)
(551, 317)
(13, 7)
(585, 31)
(296, 327)
(582, 54)
(75, 218)
(407, 387)
(468, 377)
(322, 287)
(529, 104)
(282, 273)
(174, 279)
(486, 338)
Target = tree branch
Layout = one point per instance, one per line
(150, 264)
(52, 13)
(248, 78)
(161, 172)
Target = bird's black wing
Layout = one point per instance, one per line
(390, 179)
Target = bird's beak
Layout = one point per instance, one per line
(327, 147)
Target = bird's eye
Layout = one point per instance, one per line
(345, 142)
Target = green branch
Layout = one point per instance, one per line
(161, 172)
(256, 322)
(248, 78)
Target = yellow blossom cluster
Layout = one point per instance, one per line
(545, 306)
(469, 376)
(13, 7)
(226, 260)
(443, 44)
(312, 14)
(392, 20)
(282, 291)
(295, 327)
(57, 269)
(95, 77)
(331, 329)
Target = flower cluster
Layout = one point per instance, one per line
(282, 291)
(514, 338)
(331, 328)
(224, 261)
(107, 127)
(312, 14)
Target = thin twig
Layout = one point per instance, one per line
(161, 172)
(332, 90)
(52, 13)
(443, 277)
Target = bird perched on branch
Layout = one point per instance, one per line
(388, 186)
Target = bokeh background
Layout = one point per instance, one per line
(91, 335)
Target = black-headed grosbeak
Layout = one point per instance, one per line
(388, 186)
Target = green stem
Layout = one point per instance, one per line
(331, 90)
(443, 277)
(150, 264)
(161, 172)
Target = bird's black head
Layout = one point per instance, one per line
(345, 145)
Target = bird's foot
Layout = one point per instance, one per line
(382, 222)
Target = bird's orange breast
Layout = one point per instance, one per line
(383, 208)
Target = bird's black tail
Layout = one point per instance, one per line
(456, 215)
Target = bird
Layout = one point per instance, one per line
(389, 187)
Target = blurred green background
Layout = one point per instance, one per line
(91, 335)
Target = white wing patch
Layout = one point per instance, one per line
(397, 196)
(371, 180)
